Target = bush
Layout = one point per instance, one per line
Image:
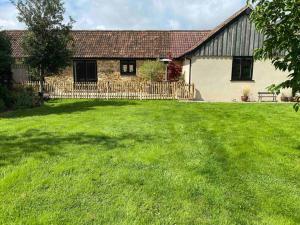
(6, 96)
(5, 60)
(174, 71)
(17, 98)
(2, 105)
(25, 98)
(152, 71)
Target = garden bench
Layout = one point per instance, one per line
(267, 95)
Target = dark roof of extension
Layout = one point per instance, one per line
(124, 44)
(215, 31)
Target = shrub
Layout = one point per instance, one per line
(246, 91)
(6, 96)
(17, 98)
(152, 71)
(2, 105)
(174, 71)
(25, 98)
(5, 60)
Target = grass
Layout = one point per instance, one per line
(133, 162)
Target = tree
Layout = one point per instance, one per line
(5, 60)
(48, 41)
(280, 22)
(153, 71)
(174, 70)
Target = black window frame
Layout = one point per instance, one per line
(94, 79)
(127, 62)
(241, 76)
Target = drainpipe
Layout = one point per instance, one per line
(190, 74)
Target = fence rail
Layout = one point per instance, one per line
(117, 90)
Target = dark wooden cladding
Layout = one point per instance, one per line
(240, 38)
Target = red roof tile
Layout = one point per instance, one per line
(124, 44)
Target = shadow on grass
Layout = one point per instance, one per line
(58, 107)
(37, 144)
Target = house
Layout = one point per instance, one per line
(112, 55)
(219, 62)
(221, 65)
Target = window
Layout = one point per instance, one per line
(128, 67)
(242, 69)
(85, 71)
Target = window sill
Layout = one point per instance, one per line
(251, 81)
(128, 75)
(82, 82)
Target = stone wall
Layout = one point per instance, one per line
(65, 76)
(107, 70)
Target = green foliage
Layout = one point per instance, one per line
(274, 89)
(280, 22)
(150, 162)
(5, 59)
(153, 71)
(16, 98)
(25, 98)
(6, 96)
(48, 41)
(297, 105)
(2, 105)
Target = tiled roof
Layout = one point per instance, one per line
(124, 44)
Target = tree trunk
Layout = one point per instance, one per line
(41, 93)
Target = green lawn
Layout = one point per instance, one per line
(152, 162)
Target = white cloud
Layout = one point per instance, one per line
(8, 16)
(159, 5)
(174, 24)
(100, 27)
(138, 14)
(202, 13)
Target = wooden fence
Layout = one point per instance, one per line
(117, 90)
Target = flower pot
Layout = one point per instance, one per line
(245, 98)
(284, 99)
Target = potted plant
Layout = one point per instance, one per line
(286, 95)
(296, 98)
(284, 98)
(246, 93)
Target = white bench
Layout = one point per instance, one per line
(271, 97)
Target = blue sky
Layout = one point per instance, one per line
(137, 14)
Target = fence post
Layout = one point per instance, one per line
(107, 85)
(140, 91)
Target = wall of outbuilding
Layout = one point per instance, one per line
(239, 38)
(212, 79)
(107, 70)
